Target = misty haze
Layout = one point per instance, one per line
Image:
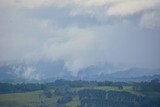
(79, 53)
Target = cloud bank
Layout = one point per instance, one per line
(81, 33)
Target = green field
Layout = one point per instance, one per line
(28, 99)
(38, 99)
(80, 94)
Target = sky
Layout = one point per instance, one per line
(81, 33)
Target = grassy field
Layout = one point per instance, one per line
(29, 99)
(37, 98)
(74, 102)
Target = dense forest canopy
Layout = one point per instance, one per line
(90, 93)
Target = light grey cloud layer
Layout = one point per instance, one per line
(81, 32)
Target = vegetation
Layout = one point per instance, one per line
(64, 93)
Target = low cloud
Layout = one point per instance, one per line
(26, 72)
(150, 20)
(113, 36)
(130, 7)
(99, 9)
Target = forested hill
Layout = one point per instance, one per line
(65, 93)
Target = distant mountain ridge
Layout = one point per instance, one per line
(123, 75)
(49, 71)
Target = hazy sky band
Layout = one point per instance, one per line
(81, 32)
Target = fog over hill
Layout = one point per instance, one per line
(50, 71)
(79, 39)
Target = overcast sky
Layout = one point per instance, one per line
(81, 32)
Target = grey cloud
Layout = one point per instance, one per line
(130, 7)
(61, 17)
(84, 47)
(26, 72)
(82, 12)
(46, 32)
(150, 20)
